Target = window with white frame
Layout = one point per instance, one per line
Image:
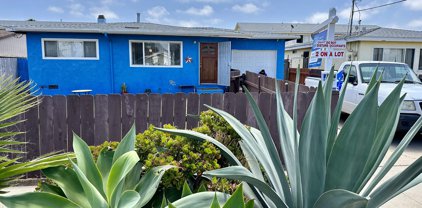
(155, 53)
(70, 48)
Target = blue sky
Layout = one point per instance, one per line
(214, 13)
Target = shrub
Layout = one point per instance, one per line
(215, 126)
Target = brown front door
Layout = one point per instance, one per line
(209, 62)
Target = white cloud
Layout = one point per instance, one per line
(415, 24)
(206, 1)
(188, 23)
(317, 17)
(55, 9)
(157, 12)
(413, 4)
(207, 10)
(76, 9)
(248, 8)
(109, 14)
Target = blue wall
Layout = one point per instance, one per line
(113, 67)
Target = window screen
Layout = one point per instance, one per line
(50, 48)
(378, 54)
(137, 53)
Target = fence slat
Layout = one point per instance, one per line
(101, 119)
(193, 109)
(155, 109)
(273, 120)
(240, 111)
(32, 133)
(128, 112)
(141, 116)
(73, 119)
(180, 110)
(167, 109)
(264, 106)
(59, 123)
(46, 125)
(115, 117)
(217, 100)
(229, 103)
(204, 99)
(87, 118)
(250, 117)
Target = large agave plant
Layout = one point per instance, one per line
(322, 167)
(16, 99)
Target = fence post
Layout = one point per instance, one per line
(259, 84)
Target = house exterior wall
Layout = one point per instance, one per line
(112, 69)
(13, 46)
(296, 58)
(366, 50)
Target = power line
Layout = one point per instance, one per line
(383, 5)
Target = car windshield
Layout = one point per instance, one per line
(391, 72)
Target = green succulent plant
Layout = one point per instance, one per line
(113, 181)
(15, 100)
(323, 167)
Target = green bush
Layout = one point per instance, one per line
(216, 127)
(192, 157)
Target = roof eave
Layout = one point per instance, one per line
(379, 39)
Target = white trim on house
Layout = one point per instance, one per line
(70, 58)
(143, 48)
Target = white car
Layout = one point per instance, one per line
(392, 73)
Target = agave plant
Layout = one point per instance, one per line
(323, 167)
(16, 99)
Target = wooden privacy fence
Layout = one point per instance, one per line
(260, 83)
(99, 118)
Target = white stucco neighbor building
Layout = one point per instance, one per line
(367, 43)
(12, 45)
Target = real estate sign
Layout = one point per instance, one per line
(316, 61)
(330, 49)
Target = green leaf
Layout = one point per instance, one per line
(340, 198)
(132, 179)
(121, 167)
(335, 119)
(104, 163)
(226, 153)
(395, 156)
(163, 201)
(201, 200)
(353, 145)
(236, 200)
(52, 189)
(186, 190)
(242, 174)
(91, 193)
(215, 203)
(129, 199)
(127, 144)
(86, 163)
(373, 80)
(250, 204)
(148, 184)
(388, 118)
(202, 188)
(389, 189)
(68, 181)
(36, 200)
(252, 161)
(272, 150)
(312, 149)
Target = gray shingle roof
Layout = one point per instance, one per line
(389, 34)
(298, 28)
(134, 28)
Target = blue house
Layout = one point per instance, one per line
(100, 56)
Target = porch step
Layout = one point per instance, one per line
(209, 90)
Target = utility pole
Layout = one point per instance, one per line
(351, 18)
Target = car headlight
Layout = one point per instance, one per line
(408, 106)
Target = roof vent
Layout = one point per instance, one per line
(101, 19)
(138, 17)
